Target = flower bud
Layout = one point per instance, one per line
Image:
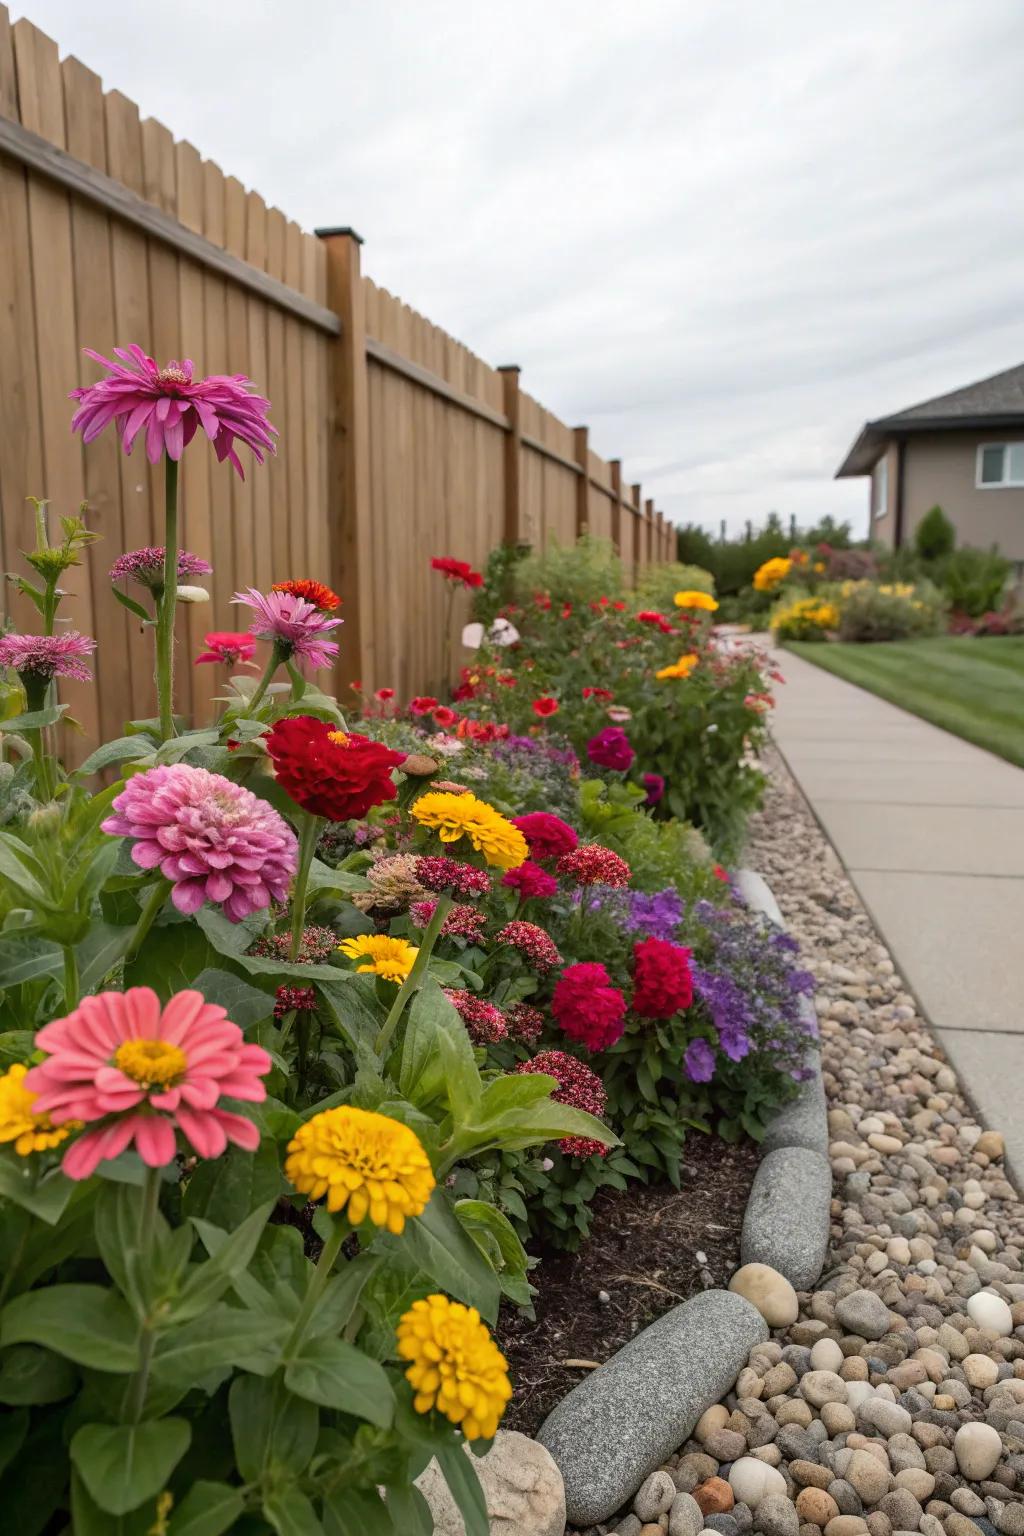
(193, 595)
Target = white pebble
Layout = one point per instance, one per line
(751, 1479)
(987, 1309)
(826, 1355)
(977, 1448)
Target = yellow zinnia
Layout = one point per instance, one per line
(369, 1163)
(768, 575)
(30, 1133)
(681, 668)
(456, 816)
(391, 958)
(456, 1366)
(702, 600)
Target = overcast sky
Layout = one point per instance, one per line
(721, 233)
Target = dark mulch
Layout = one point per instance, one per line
(642, 1253)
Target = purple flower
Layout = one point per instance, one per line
(699, 1061)
(146, 566)
(38, 658)
(655, 787)
(294, 625)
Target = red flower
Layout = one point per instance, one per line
(422, 705)
(620, 606)
(484, 1021)
(438, 873)
(542, 600)
(535, 946)
(481, 730)
(720, 873)
(592, 864)
(655, 787)
(658, 619)
(525, 1023)
(384, 694)
(580, 1088)
(598, 693)
(329, 772)
(545, 706)
(530, 881)
(662, 983)
(610, 748)
(227, 645)
(444, 717)
(312, 592)
(457, 570)
(299, 999)
(587, 1007)
(548, 836)
(507, 680)
(566, 611)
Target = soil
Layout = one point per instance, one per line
(641, 1259)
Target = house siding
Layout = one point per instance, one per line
(883, 526)
(939, 469)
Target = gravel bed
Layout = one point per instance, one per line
(893, 1401)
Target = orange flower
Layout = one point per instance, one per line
(312, 591)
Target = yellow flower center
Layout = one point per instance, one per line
(172, 376)
(150, 1063)
(340, 738)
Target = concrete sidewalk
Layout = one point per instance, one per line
(931, 830)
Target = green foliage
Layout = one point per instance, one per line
(577, 573)
(870, 612)
(658, 584)
(934, 536)
(974, 580)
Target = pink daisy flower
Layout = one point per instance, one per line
(146, 566)
(228, 646)
(169, 405)
(139, 1073)
(42, 657)
(294, 625)
(215, 840)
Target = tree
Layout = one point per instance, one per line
(935, 536)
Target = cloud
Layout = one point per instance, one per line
(723, 234)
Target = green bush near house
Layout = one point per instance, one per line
(935, 536)
(974, 580)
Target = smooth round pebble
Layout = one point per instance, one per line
(714, 1497)
(821, 1387)
(685, 1516)
(769, 1291)
(751, 1479)
(655, 1495)
(816, 1507)
(977, 1448)
(987, 1309)
(826, 1355)
(980, 1370)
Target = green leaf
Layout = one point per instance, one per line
(356, 1512)
(273, 1433)
(123, 1464)
(29, 1375)
(291, 1513)
(409, 1510)
(224, 1190)
(221, 1336)
(341, 1295)
(89, 1520)
(103, 946)
(207, 1509)
(25, 959)
(13, 1429)
(486, 1224)
(124, 749)
(174, 750)
(132, 605)
(245, 1005)
(13, 868)
(439, 1245)
(233, 939)
(423, 1072)
(36, 719)
(174, 952)
(44, 1195)
(86, 1323)
(337, 1375)
(231, 1255)
(464, 1485)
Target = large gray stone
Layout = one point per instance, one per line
(787, 1218)
(522, 1489)
(623, 1420)
(803, 1122)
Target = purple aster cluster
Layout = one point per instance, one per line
(521, 751)
(146, 566)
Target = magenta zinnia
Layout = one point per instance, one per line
(214, 840)
(138, 1073)
(38, 658)
(170, 406)
(588, 1007)
(146, 566)
(296, 627)
(579, 1087)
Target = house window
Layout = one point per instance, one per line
(880, 488)
(1000, 464)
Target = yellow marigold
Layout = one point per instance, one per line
(391, 958)
(819, 567)
(771, 573)
(456, 816)
(30, 1133)
(702, 600)
(456, 1366)
(374, 1166)
(681, 668)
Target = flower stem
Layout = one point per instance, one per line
(307, 848)
(44, 787)
(271, 667)
(166, 604)
(317, 1281)
(154, 902)
(415, 976)
(149, 1204)
(71, 982)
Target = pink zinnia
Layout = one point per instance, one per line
(144, 1073)
(227, 645)
(530, 881)
(170, 406)
(610, 748)
(42, 657)
(215, 840)
(294, 625)
(146, 566)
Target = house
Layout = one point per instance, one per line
(963, 452)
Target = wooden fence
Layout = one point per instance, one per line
(396, 444)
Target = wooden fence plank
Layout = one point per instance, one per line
(256, 254)
(243, 567)
(294, 448)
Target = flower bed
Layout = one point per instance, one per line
(307, 1029)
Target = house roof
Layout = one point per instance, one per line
(997, 400)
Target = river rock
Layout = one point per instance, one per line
(863, 1313)
(522, 1489)
(751, 1480)
(769, 1291)
(987, 1309)
(977, 1448)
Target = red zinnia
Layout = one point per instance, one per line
(423, 704)
(598, 693)
(329, 772)
(444, 717)
(227, 645)
(720, 873)
(545, 706)
(587, 1007)
(647, 616)
(610, 748)
(385, 695)
(457, 570)
(548, 836)
(579, 1087)
(662, 983)
(530, 881)
(312, 592)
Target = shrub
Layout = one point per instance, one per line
(898, 611)
(575, 573)
(935, 536)
(974, 580)
(804, 618)
(658, 584)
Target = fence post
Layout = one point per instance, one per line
(513, 525)
(581, 449)
(661, 536)
(635, 519)
(348, 476)
(615, 466)
(648, 530)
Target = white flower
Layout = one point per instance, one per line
(503, 633)
(193, 595)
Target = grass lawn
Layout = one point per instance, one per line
(972, 687)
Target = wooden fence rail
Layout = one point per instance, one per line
(397, 443)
